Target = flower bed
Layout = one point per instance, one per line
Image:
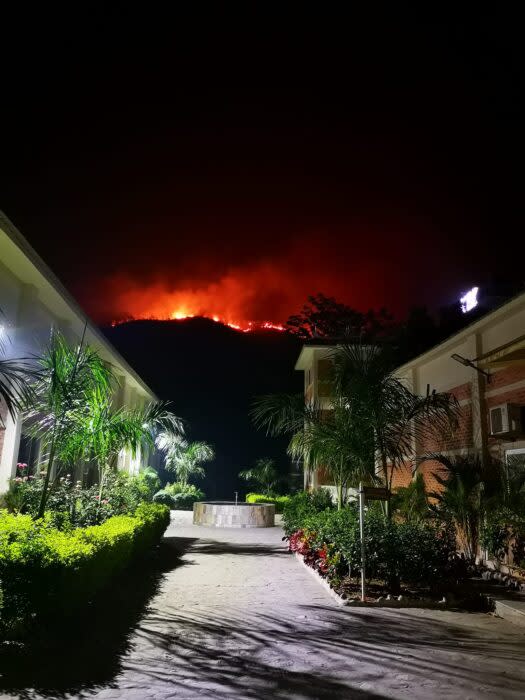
(47, 573)
(415, 561)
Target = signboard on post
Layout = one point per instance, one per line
(367, 493)
(376, 493)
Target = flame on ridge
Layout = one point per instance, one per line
(181, 315)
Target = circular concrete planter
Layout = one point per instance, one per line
(229, 514)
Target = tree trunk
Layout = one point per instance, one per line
(44, 497)
(101, 485)
(339, 495)
(388, 510)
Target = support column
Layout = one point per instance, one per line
(10, 445)
(479, 413)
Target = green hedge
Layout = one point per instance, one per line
(46, 573)
(179, 496)
(414, 553)
(278, 501)
(302, 505)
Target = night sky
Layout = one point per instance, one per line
(233, 161)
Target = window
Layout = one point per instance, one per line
(325, 373)
(515, 462)
(29, 453)
(515, 458)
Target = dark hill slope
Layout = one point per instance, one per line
(211, 373)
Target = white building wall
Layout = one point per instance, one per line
(30, 306)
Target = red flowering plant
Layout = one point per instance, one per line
(322, 562)
(322, 557)
(299, 542)
(304, 543)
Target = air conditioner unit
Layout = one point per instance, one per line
(505, 419)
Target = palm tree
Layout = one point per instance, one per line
(188, 461)
(339, 442)
(104, 431)
(171, 443)
(369, 411)
(337, 439)
(264, 473)
(399, 419)
(470, 487)
(66, 376)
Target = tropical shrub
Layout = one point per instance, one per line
(25, 493)
(503, 532)
(413, 553)
(179, 496)
(67, 375)
(68, 502)
(303, 504)
(411, 502)
(149, 482)
(278, 501)
(264, 475)
(46, 573)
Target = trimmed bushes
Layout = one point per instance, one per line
(302, 505)
(47, 573)
(278, 501)
(412, 553)
(178, 496)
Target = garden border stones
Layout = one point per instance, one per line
(380, 603)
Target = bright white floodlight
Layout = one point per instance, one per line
(469, 300)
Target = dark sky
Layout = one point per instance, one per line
(232, 161)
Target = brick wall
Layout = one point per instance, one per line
(506, 376)
(462, 438)
(514, 395)
(459, 438)
(461, 392)
(402, 475)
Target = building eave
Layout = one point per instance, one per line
(308, 350)
(506, 309)
(92, 331)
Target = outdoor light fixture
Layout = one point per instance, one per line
(469, 300)
(468, 363)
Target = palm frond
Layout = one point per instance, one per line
(280, 414)
(187, 459)
(15, 385)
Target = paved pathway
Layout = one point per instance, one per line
(240, 618)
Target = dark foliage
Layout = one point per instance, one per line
(302, 505)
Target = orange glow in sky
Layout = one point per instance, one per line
(256, 295)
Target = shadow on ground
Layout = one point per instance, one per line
(219, 547)
(325, 652)
(87, 652)
(187, 646)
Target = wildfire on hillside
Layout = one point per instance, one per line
(246, 327)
